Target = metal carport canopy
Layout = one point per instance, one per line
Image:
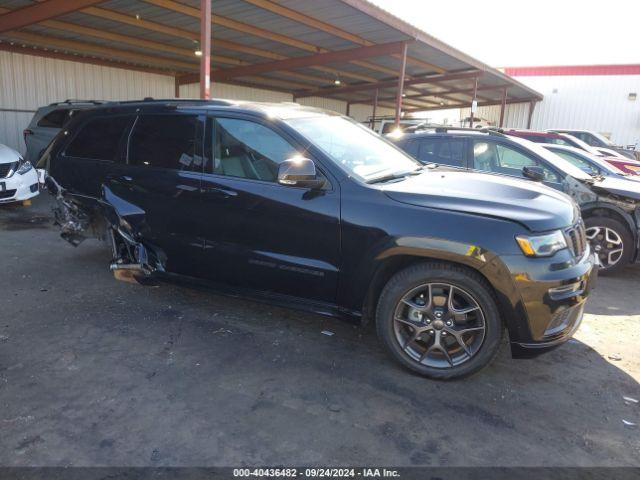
(350, 50)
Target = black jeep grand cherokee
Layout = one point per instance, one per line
(306, 208)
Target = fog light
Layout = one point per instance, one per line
(566, 291)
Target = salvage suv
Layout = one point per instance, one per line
(305, 208)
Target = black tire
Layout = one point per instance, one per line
(622, 231)
(462, 279)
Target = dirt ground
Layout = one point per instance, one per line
(98, 372)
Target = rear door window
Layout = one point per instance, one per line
(55, 119)
(442, 150)
(99, 138)
(166, 141)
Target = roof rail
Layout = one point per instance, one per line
(71, 101)
(445, 129)
(215, 101)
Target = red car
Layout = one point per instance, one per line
(632, 167)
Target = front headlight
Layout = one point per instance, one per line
(23, 166)
(542, 245)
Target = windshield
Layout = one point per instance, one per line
(603, 139)
(356, 149)
(586, 162)
(553, 159)
(576, 142)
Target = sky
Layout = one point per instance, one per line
(505, 33)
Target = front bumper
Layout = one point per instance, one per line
(17, 188)
(550, 299)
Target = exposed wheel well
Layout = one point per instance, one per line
(395, 264)
(607, 212)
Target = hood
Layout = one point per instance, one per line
(531, 204)
(619, 186)
(8, 155)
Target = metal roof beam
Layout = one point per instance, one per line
(306, 61)
(330, 29)
(390, 83)
(258, 32)
(217, 42)
(38, 12)
(480, 104)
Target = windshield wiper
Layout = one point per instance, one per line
(394, 176)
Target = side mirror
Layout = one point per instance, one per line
(533, 173)
(299, 172)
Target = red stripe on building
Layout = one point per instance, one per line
(573, 70)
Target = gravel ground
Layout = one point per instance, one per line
(98, 372)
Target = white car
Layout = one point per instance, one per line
(18, 178)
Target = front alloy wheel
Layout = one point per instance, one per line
(439, 320)
(611, 241)
(439, 325)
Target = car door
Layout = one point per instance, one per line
(160, 186)
(260, 234)
(93, 150)
(490, 155)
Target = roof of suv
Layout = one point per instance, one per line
(279, 110)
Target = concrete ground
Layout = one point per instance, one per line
(97, 372)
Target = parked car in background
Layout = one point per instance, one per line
(596, 140)
(309, 209)
(621, 163)
(388, 125)
(47, 122)
(609, 205)
(18, 178)
(591, 164)
(551, 138)
(608, 152)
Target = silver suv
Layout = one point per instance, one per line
(47, 122)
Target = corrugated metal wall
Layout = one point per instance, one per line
(600, 103)
(28, 82)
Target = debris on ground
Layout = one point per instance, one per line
(328, 333)
(4, 338)
(615, 357)
(629, 400)
(628, 423)
(221, 330)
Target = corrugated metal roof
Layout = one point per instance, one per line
(284, 28)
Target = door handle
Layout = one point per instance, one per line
(221, 192)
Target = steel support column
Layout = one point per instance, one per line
(400, 92)
(176, 87)
(205, 48)
(474, 99)
(375, 107)
(532, 106)
(503, 106)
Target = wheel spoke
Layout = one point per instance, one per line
(612, 237)
(412, 323)
(592, 232)
(610, 255)
(421, 308)
(461, 342)
(411, 339)
(458, 311)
